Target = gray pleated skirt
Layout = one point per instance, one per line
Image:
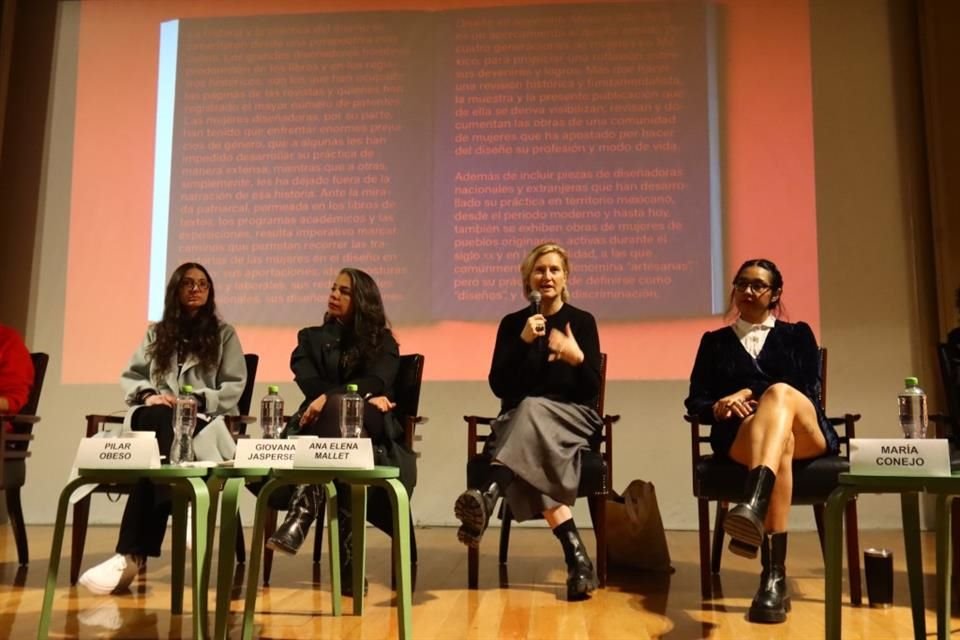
(540, 441)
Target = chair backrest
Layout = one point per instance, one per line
(603, 384)
(40, 362)
(253, 361)
(949, 357)
(406, 388)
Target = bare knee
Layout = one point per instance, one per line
(778, 393)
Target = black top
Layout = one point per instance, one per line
(324, 362)
(790, 355)
(520, 370)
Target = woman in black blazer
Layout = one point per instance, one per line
(757, 382)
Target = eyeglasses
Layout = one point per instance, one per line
(758, 287)
(189, 284)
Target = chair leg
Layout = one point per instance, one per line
(505, 534)
(241, 545)
(818, 512)
(853, 552)
(600, 531)
(955, 535)
(703, 518)
(318, 533)
(473, 567)
(269, 526)
(15, 511)
(78, 537)
(718, 537)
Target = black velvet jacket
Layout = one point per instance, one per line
(520, 369)
(790, 354)
(318, 366)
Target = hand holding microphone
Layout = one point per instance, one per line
(536, 325)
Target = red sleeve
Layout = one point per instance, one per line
(16, 370)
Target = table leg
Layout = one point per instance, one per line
(228, 538)
(944, 562)
(910, 510)
(55, 549)
(179, 550)
(200, 500)
(833, 569)
(256, 552)
(333, 544)
(401, 555)
(358, 494)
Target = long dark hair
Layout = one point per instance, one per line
(776, 285)
(367, 327)
(180, 332)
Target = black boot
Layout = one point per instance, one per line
(304, 507)
(744, 522)
(345, 528)
(581, 578)
(772, 601)
(474, 508)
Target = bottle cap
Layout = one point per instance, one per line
(910, 382)
(352, 388)
(187, 388)
(273, 389)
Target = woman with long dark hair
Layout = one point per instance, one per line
(546, 372)
(353, 346)
(190, 345)
(757, 381)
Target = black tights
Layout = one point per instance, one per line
(144, 522)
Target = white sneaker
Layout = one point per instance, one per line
(105, 614)
(110, 576)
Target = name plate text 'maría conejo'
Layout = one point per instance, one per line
(899, 457)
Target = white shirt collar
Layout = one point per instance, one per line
(745, 327)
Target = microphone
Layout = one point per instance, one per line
(534, 298)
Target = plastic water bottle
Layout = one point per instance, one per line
(351, 413)
(912, 402)
(184, 424)
(271, 413)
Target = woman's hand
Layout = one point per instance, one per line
(312, 412)
(535, 327)
(382, 403)
(160, 399)
(739, 404)
(563, 346)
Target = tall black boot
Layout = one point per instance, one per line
(581, 578)
(304, 507)
(345, 528)
(474, 508)
(744, 522)
(772, 601)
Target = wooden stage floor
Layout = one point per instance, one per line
(530, 604)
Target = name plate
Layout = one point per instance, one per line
(273, 453)
(899, 457)
(118, 453)
(335, 453)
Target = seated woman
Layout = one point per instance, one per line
(546, 372)
(16, 372)
(190, 345)
(353, 346)
(757, 382)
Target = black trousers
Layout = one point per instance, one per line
(144, 522)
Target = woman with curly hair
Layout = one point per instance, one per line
(190, 345)
(354, 345)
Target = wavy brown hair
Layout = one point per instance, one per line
(178, 331)
(368, 325)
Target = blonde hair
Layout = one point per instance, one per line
(526, 267)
